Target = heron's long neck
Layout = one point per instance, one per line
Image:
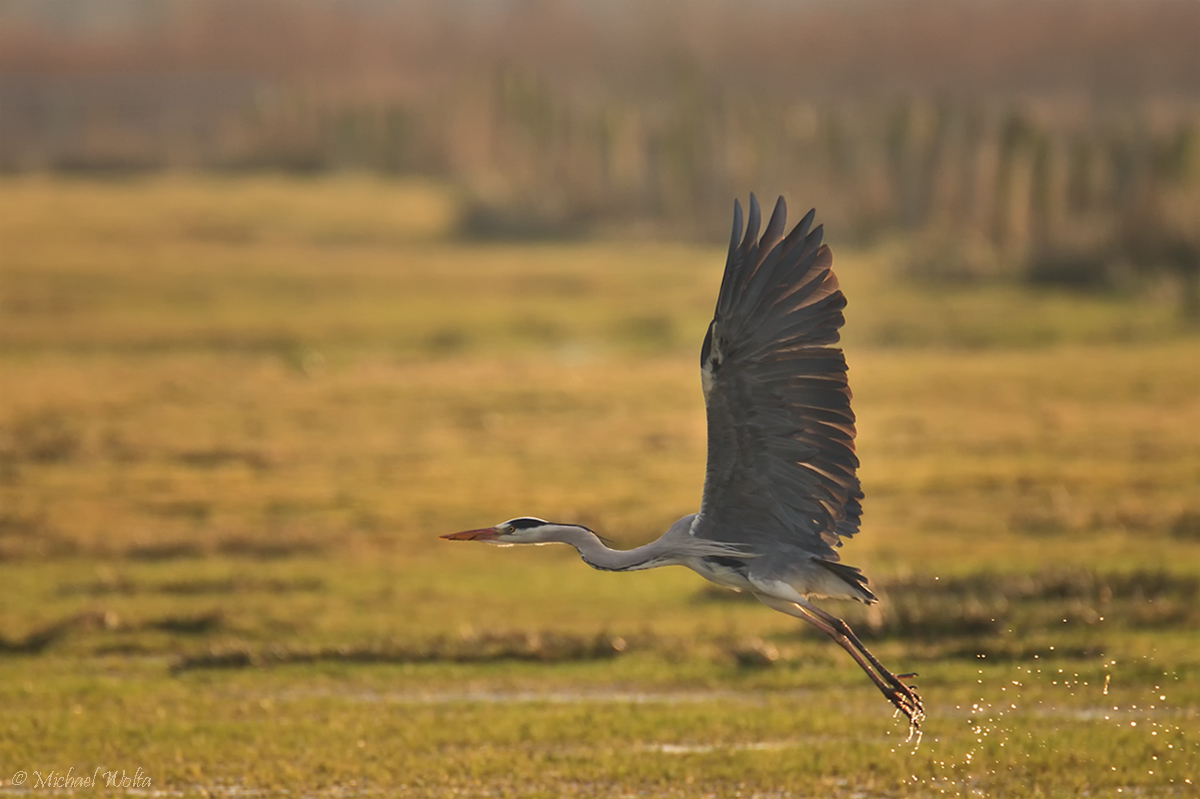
(598, 556)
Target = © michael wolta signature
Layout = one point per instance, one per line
(101, 777)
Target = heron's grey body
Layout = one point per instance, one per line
(780, 490)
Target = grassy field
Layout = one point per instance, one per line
(236, 413)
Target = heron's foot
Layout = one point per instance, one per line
(906, 700)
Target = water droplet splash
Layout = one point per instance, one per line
(1049, 713)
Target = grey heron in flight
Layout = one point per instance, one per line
(780, 491)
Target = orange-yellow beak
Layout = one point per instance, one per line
(484, 534)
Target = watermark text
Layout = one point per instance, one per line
(100, 778)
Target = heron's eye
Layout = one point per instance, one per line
(510, 529)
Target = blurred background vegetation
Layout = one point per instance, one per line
(1054, 143)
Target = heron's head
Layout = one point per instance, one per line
(522, 530)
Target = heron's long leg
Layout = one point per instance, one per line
(792, 609)
(844, 628)
(905, 699)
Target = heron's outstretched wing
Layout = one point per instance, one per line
(781, 463)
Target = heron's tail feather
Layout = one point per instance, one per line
(853, 577)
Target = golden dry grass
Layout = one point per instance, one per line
(244, 447)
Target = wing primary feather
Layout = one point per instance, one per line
(752, 223)
(730, 276)
(737, 225)
(773, 235)
(801, 229)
